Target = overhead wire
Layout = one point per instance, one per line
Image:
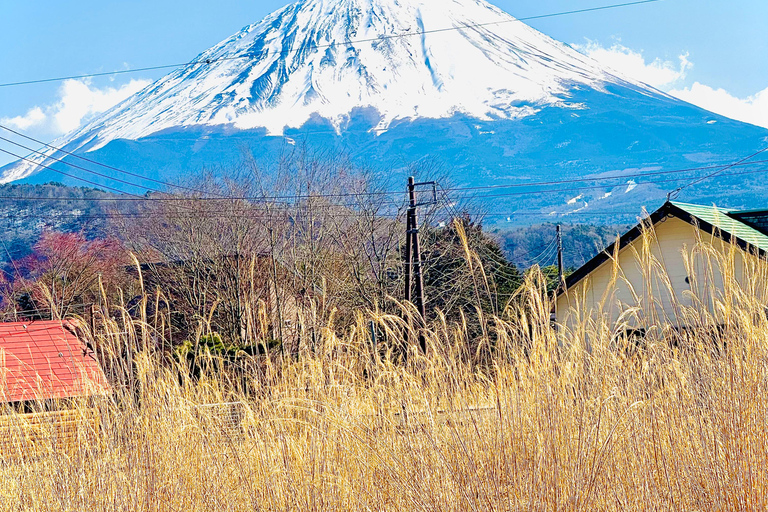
(544, 254)
(602, 178)
(80, 157)
(720, 168)
(75, 166)
(539, 258)
(281, 199)
(709, 176)
(151, 189)
(328, 45)
(137, 198)
(64, 173)
(603, 187)
(167, 197)
(455, 214)
(13, 262)
(530, 251)
(348, 42)
(278, 214)
(208, 61)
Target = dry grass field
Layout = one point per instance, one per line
(531, 420)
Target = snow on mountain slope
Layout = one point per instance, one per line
(327, 57)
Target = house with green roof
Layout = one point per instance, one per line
(671, 261)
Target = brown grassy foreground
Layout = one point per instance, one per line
(526, 422)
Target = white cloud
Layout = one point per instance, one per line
(78, 101)
(667, 75)
(33, 117)
(632, 64)
(753, 109)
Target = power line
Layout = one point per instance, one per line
(525, 254)
(89, 171)
(362, 194)
(696, 182)
(150, 189)
(288, 51)
(187, 215)
(188, 200)
(544, 255)
(136, 175)
(137, 198)
(392, 192)
(601, 187)
(603, 178)
(285, 214)
(63, 173)
(73, 176)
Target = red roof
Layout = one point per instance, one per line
(45, 360)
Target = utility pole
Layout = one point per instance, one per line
(374, 339)
(92, 320)
(277, 293)
(560, 269)
(420, 302)
(413, 267)
(560, 278)
(408, 250)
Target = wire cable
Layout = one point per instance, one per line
(138, 198)
(63, 173)
(720, 168)
(604, 178)
(145, 199)
(89, 171)
(677, 191)
(540, 257)
(208, 61)
(80, 157)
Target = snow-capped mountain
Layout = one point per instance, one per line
(461, 76)
(327, 57)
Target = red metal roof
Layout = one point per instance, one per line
(45, 360)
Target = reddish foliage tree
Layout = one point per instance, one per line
(62, 274)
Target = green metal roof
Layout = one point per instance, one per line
(721, 219)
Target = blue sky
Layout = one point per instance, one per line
(710, 52)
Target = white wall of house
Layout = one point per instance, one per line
(649, 275)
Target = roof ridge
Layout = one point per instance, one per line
(713, 206)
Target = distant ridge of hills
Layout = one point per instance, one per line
(27, 210)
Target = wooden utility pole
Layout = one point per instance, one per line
(408, 253)
(560, 277)
(420, 301)
(374, 339)
(560, 269)
(277, 293)
(413, 267)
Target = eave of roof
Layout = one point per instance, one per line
(710, 219)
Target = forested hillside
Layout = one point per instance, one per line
(26, 211)
(527, 246)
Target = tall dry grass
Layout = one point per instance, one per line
(530, 419)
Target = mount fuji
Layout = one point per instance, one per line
(397, 82)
